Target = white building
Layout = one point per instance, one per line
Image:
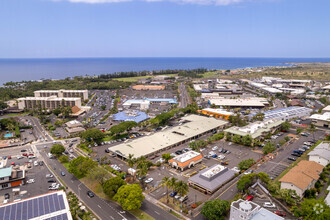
(321, 120)
(320, 154)
(62, 93)
(247, 210)
(251, 102)
(49, 103)
(286, 114)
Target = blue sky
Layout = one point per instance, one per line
(164, 28)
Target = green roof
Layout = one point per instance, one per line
(265, 128)
(4, 172)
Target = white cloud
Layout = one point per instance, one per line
(199, 2)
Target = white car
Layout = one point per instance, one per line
(49, 175)
(19, 157)
(30, 181)
(149, 180)
(235, 169)
(35, 163)
(115, 167)
(215, 148)
(5, 201)
(269, 205)
(221, 157)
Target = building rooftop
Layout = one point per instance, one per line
(303, 174)
(250, 102)
(212, 177)
(282, 112)
(323, 117)
(321, 150)
(186, 156)
(136, 116)
(194, 125)
(73, 123)
(218, 111)
(62, 90)
(255, 129)
(326, 109)
(52, 205)
(5, 172)
(272, 90)
(51, 98)
(263, 214)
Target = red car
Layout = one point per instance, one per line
(249, 198)
(9, 157)
(279, 213)
(31, 154)
(25, 154)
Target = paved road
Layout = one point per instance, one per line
(184, 97)
(102, 208)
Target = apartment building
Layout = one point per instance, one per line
(49, 103)
(62, 93)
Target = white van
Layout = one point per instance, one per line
(50, 155)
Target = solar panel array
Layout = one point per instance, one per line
(291, 111)
(59, 217)
(33, 208)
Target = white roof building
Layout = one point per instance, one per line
(241, 102)
(320, 154)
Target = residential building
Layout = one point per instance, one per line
(320, 154)
(321, 120)
(53, 205)
(186, 160)
(49, 103)
(211, 179)
(302, 177)
(217, 113)
(190, 128)
(11, 177)
(73, 124)
(148, 87)
(256, 130)
(286, 114)
(247, 210)
(62, 93)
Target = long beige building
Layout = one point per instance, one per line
(49, 103)
(62, 93)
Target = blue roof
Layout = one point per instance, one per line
(4, 172)
(171, 101)
(137, 117)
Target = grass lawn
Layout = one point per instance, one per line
(94, 186)
(131, 79)
(17, 114)
(210, 74)
(141, 215)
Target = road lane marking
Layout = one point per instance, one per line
(99, 206)
(112, 217)
(157, 212)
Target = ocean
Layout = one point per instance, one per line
(36, 69)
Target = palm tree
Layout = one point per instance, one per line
(131, 160)
(141, 161)
(172, 184)
(312, 129)
(142, 172)
(10, 126)
(182, 188)
(165, 182)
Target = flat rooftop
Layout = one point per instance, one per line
(51, 98)
(193, 125)
(289, 111)
(186, 156)
(250, 102)
(323, 117)
(218, 111)
(61, 90)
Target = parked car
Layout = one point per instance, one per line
(173, 194)
(35, 163)
(269, 205)
(298, 152)
(49, 176)
(107, 150)
(215, 148)
(279, 213)
(249, 198)
(51, 181)
(177, 197)
(248, 172)
(224, 163)
(302, 149)
(30, 181)
(62, 173)
(7, 196)
(31, 157)
(183, 198)
(214, 156)
(304, 134)
(178, 152)
(292, 158)
(149, 180)
(19, 157)
(90, 194)
(295, 154)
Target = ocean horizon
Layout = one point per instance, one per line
(25, 69)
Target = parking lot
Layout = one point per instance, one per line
(36, 181)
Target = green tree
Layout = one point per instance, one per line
(129, 197)
(228, 137)
(215, 209)
(299, 130)
(57, 111)
(268, 148)
(166, 157)
(98, 173)
(165, 182)
(182, 188)
(313, 209)
(286, 138)
(312, 129)
(247, 140)
(112, 185)
(93, 135)
(237, 139)
(288, 196)
(3, 105)
(246, 164)
(131, 160)
(245, 181)
(80, 166)
(57, 149)
(63, 159)
(285, 126)
(124, 126)
(103, 107)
